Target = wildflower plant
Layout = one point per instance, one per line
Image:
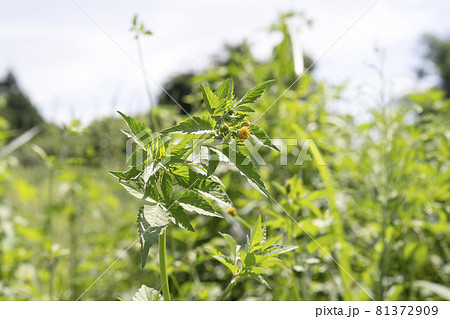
(173, 182)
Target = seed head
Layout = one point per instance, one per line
(244, 133)
(246, 123)
(225, 128)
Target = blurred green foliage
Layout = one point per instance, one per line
(380, 206)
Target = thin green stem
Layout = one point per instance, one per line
(230, 286)
(162, 267)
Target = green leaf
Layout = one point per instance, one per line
(223, 89)
(138, 189)
(132, 173)
(259, 270)
(245, 167)
(232, 244)
(259, 278)
(180, 148)
(166, 186)
(146, 294)
(223, 259)
(244, 108)
(257, 233)
(214, 192)
(193, 202)
(194, 125)
(138, 157)
(180, 218)
(141, 133)
(150, 170)
(262, 137)
(250, 260)
(151, 223)
(213, 162)
(213, 104)
(253, 94)
(279, 249)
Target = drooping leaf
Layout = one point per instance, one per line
(194, 125)
(262, 137)
(146, 294)
(259, 278)
(253, 94)
(152, 221)
(180, 218)
(223, 259)
(193, 202)
(245, 167)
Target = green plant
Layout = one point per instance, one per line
(173, 181)
(259, 254)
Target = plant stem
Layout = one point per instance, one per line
(230, 286)
(162, 267)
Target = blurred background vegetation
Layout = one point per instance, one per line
(380, 206)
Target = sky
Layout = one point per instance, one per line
(76, 59)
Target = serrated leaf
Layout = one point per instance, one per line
(132, 173)
(146, 294)
(193, 202)
(256, 234)
(213, 104)
(213, 162)
(140, 132)
(194, 125)
(245, 167)
(259, 278)
(166, 186)
(244, 108)
(259, 270)
(214, 192)
(138, 157)
(250, 260)
(253, 94)
(180, 218)
(152, 221)
(231, 243)
(180, 148)
(150, 170)
(138, 189)
(223, 259)
(223, 89)
(262, 137)
(279, 249)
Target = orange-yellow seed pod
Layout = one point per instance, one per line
(244, 133)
